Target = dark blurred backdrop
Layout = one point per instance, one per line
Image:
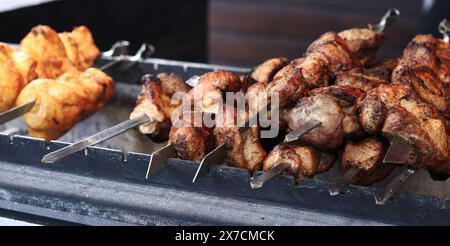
(233, 32)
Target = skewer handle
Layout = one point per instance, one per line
(344, 181)
(158, 160)
(216, 156)
(260, 181)
(386, 21)
(393, 187)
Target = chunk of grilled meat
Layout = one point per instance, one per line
(208, 94)
(421, 70)
(44, 46)
(304, 161)
(98, 86)
(264, 72)
(363, 42)
(332, 106)
(80, 47)
(16, 70)
(367, 78)
(244, 149)
(366, 155)
(59, 105)
(391, 110)
(191, 143)
(155, 101)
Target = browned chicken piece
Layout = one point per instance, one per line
(244, 149)
(98, 86)
(44, 46)
(264, 73)
(363, 42)
(304, 161)
(15, 71)
(85, 42)
(11, 83)
(366, 155)
(155, 101)
(59, 106)
(208, 94)
(191, 143)
(368, 78)
(72, 50)
(246, 82)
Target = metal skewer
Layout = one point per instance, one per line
(94, 139)
(260, 181)
(399, 152)
(344, 181)
(302, 130)
(386, 21)
(118, 48)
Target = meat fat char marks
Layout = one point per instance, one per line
(44, 45)
(59, 106)
(208, 94)
(363, 43)
(304, 161)
(191, 143)
(367, 78)
(244, 149)
(80, 47)
(336, 51)
(22, 61)
(98, 87)
(366, 155)
(348, 99)
(333, 106)
(155, 101)
(265, 72)
(422, 70)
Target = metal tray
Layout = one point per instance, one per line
(107, 185)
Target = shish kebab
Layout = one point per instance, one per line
(348, 53)
(64, 55)
(401, 114)
(435, 54)
(103, 136)
(231, 139)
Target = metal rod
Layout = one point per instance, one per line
(158, 160)
(344, 181)
(95, 139)
(444, 29)
(399, 151)
(260, 181)
(395, 185)
(16, 112)
(302, 130)
(386, 21)
(214, 157)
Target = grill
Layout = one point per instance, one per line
(106, 185)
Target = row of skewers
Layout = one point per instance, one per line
(51, 81)
(333, 99)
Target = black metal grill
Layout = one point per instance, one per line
(107, 185)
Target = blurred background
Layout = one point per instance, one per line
(230, 32)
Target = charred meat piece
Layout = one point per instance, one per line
(366, 155)
(264, 73)
(244, 149)
(363, 42)
(304, 161)
(155, 101)
(191, 143)
(369, 78)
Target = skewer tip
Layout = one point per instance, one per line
(47, 160)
